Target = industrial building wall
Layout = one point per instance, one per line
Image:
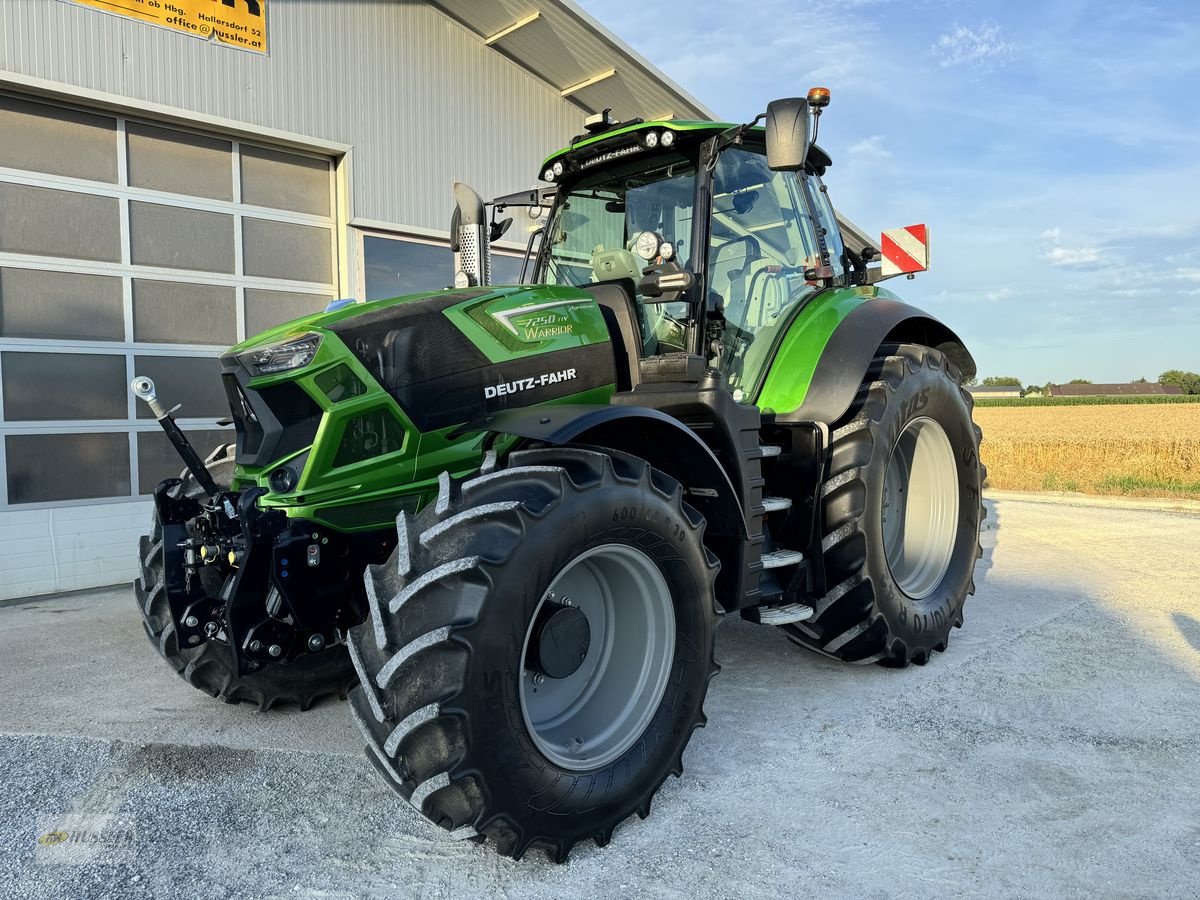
(420, 100)
(390, 99)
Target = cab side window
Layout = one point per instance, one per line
(762, 240)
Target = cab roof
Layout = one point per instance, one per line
(588, 146)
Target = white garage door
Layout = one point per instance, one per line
(128, 246)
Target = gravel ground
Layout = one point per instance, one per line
(1052, 752)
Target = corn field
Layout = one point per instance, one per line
(1149, 450)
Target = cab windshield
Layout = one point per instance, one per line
(593, 236)
(597, 223)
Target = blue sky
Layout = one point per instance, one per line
(1052, 147)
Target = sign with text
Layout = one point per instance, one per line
(235, 23)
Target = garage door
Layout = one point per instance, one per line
(127, 247)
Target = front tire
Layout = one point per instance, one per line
(489, 737)
(902, 511)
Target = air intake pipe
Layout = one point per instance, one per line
(469, 239)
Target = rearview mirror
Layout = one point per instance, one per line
(497, 229)
(787, 127)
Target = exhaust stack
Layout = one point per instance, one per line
(469, 239)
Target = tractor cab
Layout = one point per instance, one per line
(698, 239)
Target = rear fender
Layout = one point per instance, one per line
(660, 440)
(818, 370)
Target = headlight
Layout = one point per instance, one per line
(668, 138)
(292, 354)
(548, 175)
(558, 167)
(651, 139)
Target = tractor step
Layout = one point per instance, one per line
(770, 450)
(777, 559)
(777, 504)
(785, 614)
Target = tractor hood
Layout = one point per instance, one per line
(430, 361)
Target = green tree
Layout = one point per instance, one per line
(1080, 381)
(1189, 381)
(1033, 389)
(1139, 381)
(1001, 381)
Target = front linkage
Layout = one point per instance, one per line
(270, 588)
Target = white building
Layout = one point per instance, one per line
(164, 194)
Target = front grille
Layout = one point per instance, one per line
(272, 422)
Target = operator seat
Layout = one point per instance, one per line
(621, 316)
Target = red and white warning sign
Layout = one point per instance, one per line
(905, 250)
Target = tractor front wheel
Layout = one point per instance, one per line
(902, 507)
(538, 649)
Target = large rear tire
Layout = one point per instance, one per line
(902, 508)
(209, 666)
(486, 700)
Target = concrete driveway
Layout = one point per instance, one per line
(1053, 751)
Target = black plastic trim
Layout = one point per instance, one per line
(654, 436)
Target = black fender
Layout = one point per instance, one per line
(664, 442)
(848, 354)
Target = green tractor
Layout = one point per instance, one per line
(701, 404)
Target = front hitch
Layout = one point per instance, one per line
(143, 389)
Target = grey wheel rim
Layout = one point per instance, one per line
(589, 718)
(920, 508)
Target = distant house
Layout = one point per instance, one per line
(980, 392)
(1136, 389)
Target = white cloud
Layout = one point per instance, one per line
(870, 149)
(1057, 255)
(1072, 256)
(982, 47)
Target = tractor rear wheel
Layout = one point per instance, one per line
(902, 505)
(209, 666)
(538, 649)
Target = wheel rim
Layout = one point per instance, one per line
(593, 715)
(920, 508)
